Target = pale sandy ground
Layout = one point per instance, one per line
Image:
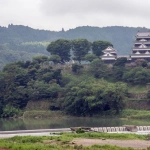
(121, 143)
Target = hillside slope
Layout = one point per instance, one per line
(20, 42)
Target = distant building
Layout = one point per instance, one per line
(110, 55)
(141, 49)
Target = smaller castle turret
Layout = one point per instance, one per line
(110, 55)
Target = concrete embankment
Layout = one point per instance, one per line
(122, 129)
(125, 128)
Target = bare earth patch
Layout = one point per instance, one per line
(122, 143)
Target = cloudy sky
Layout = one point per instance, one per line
(68, 14)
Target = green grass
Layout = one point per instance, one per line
(29, 146)
(101, 135)
(135, 114)
(137, 89)
(63, 142)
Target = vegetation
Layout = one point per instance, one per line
(75, 89)
(100, 135)
(22, 42)
(98, 46)
(93, 97)
(64, 141)
(60, 47)
(79, 90)
(135, 114)
(37, 80)
(80, 48)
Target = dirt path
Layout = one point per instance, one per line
(122, 143)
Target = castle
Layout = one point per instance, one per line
(140, 50)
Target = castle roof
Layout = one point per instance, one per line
(143, 34)
(142, 46)
(110, 50)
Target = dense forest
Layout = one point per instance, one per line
(19, 42)
(74, 88)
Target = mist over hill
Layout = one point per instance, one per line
(20, 42)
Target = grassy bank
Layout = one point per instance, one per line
(135, 114)
(127, 113)
(137, 88)
(64, 142)
(101, 135)
(42, 114)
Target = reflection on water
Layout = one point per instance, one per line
(70, 122)
(27, 124)
(12, 124)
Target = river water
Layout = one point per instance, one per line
(52, 123)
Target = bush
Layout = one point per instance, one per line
(148, 95)
(10, 111)
(80, 130)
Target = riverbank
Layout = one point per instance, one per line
(43, 114)
(82, 141)
(126, 113)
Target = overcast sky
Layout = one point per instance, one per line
(68, 14)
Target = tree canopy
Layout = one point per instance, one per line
(60, 47)
(90, 97)
(99, 46)
(80, 48)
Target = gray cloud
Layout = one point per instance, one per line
(127, 7)
(55, 14)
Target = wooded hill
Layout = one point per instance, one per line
(20, 42)
(74, 89)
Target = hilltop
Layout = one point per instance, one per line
(20, 42)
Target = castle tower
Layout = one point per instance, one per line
(110, 55)
(141, 49)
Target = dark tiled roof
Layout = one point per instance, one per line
(110, 49)
(143, 34)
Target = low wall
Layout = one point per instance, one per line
(125, 128)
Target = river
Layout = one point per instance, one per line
(52, 123)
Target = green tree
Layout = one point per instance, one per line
(92, 97)
(99, 68)
(40, 59)
(118, 73)
(2, 83)
(40, 90)
(20, 97)
(76, 67)
(141, 62)
(90, 57)
(80, 48)
(148, 95)
(55, 59)
(99, 46)
(120, 62)
(142, 77)
(119, 68)
(60, 47)
(137, 75)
